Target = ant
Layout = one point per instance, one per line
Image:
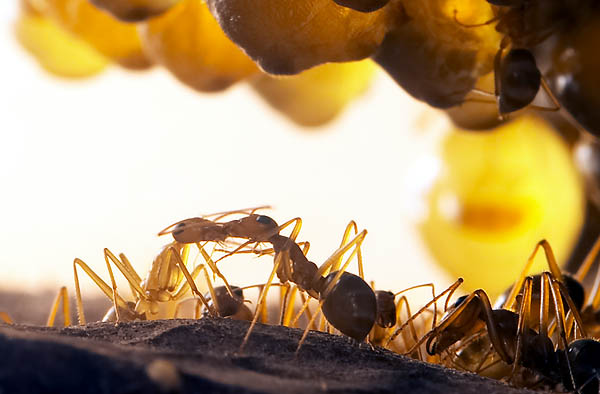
(389, 315)
(291, 265)
(165, 285)
(517, 78)
(511, 331)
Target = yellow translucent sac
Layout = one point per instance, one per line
(289, 36)
(134, 10)
(316, 96)
(116, 40)
(434, 56)
(57, 51)
(497, 195)
(189, 42)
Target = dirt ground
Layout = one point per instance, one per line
(203, 356)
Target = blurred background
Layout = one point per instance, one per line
(111, 160)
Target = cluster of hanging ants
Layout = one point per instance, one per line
(539, 335)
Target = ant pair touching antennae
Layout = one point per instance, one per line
(346, 300)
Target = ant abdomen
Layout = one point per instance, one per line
(520, 80)
(350, 306)
(362, 5)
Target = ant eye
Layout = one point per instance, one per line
(262, 219)
(459, 301)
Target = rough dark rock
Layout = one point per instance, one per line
(200, 356)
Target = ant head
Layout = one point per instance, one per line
(520, 80)
(362, 5)
(196, 230)
(259, 228)
(350, 306)
(584, 365)
(386, 309)
(227, 305)
(459, 301)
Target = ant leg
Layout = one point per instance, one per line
(310, 323)
(552, 265)
(261, 298)
(127, 264)
(583, 270)
(573, 313)
(106, 289)
(304, 308)
(550, 95)
(413, 332)
(62, 294)
(114, 287)
(349, 227)
(356, 241)
(295, 230)
(523, 317)
(262, 307)
(213, 267)
(5, 318)
(499, 345)
(185, 285)
(560, 313)
(284, 293)
(131, 276)
(432, 296)
(289, 311)
(189, 279)
(450, 290)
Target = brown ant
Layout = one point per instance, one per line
(511, 332)
(517, 78)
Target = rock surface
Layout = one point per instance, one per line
(200, 356)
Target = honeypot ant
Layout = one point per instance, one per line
(517, 78)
